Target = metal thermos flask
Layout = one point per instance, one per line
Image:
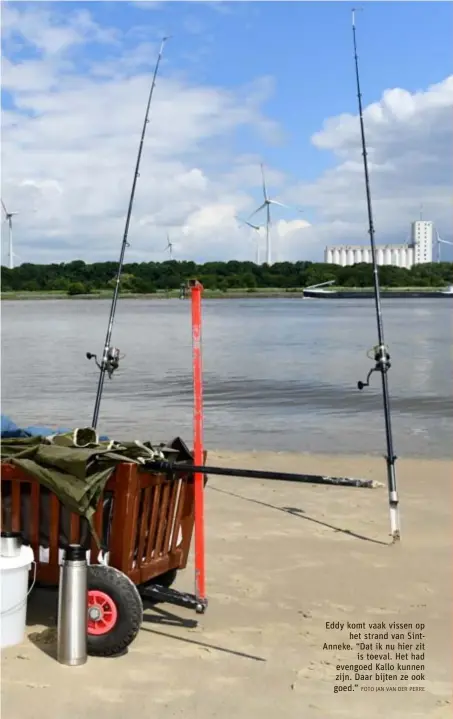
(72, 607)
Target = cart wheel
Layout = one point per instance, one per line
(115, 611)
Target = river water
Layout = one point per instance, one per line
(279, 374)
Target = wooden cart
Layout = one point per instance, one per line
(145, 522)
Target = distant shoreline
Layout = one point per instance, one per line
(158, 296)
(268, 293)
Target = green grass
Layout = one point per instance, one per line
(208, 294)
(160, 294)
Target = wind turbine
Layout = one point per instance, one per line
(9, 219)
(267, 205)
(439, 242)
(169, 246)
(258, 239)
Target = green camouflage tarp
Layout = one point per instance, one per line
(77, 475)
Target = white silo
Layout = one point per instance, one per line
(366, 255)
(380, 256)
(342, 257)
(329, 257)
(350, 256)
(410, 257)
(388, 256)
(403, 257)
(336, 256)
(358, 255)
(396, 256)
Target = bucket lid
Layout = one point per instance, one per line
(25, 556)
(11, 535)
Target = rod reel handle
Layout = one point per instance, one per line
(90, 356)
(361, 385)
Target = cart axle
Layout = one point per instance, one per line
(158, 593)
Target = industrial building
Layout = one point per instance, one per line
(417, 251)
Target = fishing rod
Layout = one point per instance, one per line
(111, 355)
(380, 352)
(183, 467)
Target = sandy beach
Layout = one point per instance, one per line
(284, 562)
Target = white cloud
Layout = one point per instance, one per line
(70, 140)
(285, 227)
(410, 146)
(50, 32)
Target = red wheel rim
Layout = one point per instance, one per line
(102, 613)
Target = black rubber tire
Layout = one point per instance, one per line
(129, 607)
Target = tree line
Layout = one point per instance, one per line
(77, 277)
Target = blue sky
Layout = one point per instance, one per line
(300, 53)
(305, 46)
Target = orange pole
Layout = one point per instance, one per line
(197, 368)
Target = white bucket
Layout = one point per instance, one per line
(13, 596)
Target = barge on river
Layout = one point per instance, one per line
(320, 292)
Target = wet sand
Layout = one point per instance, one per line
(283, 560)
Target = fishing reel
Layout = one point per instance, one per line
(381, 357)
(110, 362)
